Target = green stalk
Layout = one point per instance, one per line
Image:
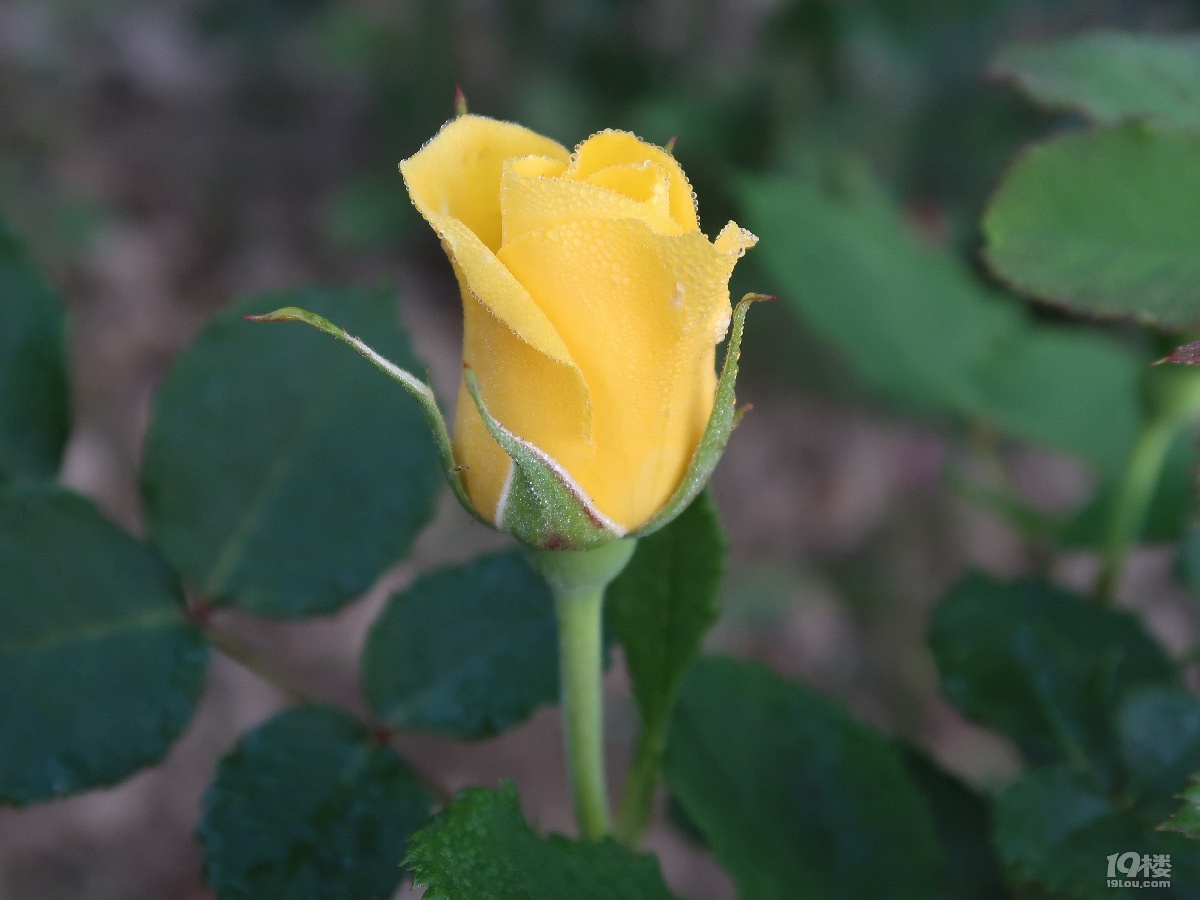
(577, 580)
(579, 621)
(1133, 500)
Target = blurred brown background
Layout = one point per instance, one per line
(162, 158)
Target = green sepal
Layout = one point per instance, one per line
(418, 389)
(542, 506)
(721, 422)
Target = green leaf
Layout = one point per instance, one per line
(660, 608)
(1186, 819)
(1054, 829)
(1111, 75)
(33, 376)
(281, 475)
(467, 652)
(796, 798)
(664, 602)
(481, 847)
(100, 668)
(1105, 222)
(309, 806)
(1159, 732)
(915, 322)
(1046, 667)
(963, 819)
(413, 386)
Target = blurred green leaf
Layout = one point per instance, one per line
(481, 847)
(1159, 733)
(664, 602)
(796, 798)
(963, 820)
(660, 608)
(370, 212)
(100, 670)
(916, 323)
(1044, 666)
(308, 807)
(1186, 819)
(1104, 222)
(1111, 75)
(34, 414)
(1054, 829)
(467, 652)
(282, 475)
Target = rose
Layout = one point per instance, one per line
(592, 307)
(589, 407)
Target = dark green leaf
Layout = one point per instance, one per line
(1111, 75)
(467, 652)
(33, 376)
(1186, 819)
(1106, 222)
(1159, 731)
(963, 820)
(1056, 830)
(1044, 666)
(309, 807)
(481, 847)
(796, 798)
(914, 321)
(664, 602)
(282, 475)
(99, 669)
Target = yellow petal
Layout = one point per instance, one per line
(734, 239)
(620, 148)
(535, 397)
(644, 182)
(635, 309)
(534, 167)
(647, 183)
(529, 202)
(458, 172)
(526, 373)
(732, 243)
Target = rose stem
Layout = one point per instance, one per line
(577, 580)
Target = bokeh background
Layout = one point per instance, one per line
(163, 157)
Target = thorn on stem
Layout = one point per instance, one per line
(200, 611)
(382, 734)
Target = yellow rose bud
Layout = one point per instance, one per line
(592, 309)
